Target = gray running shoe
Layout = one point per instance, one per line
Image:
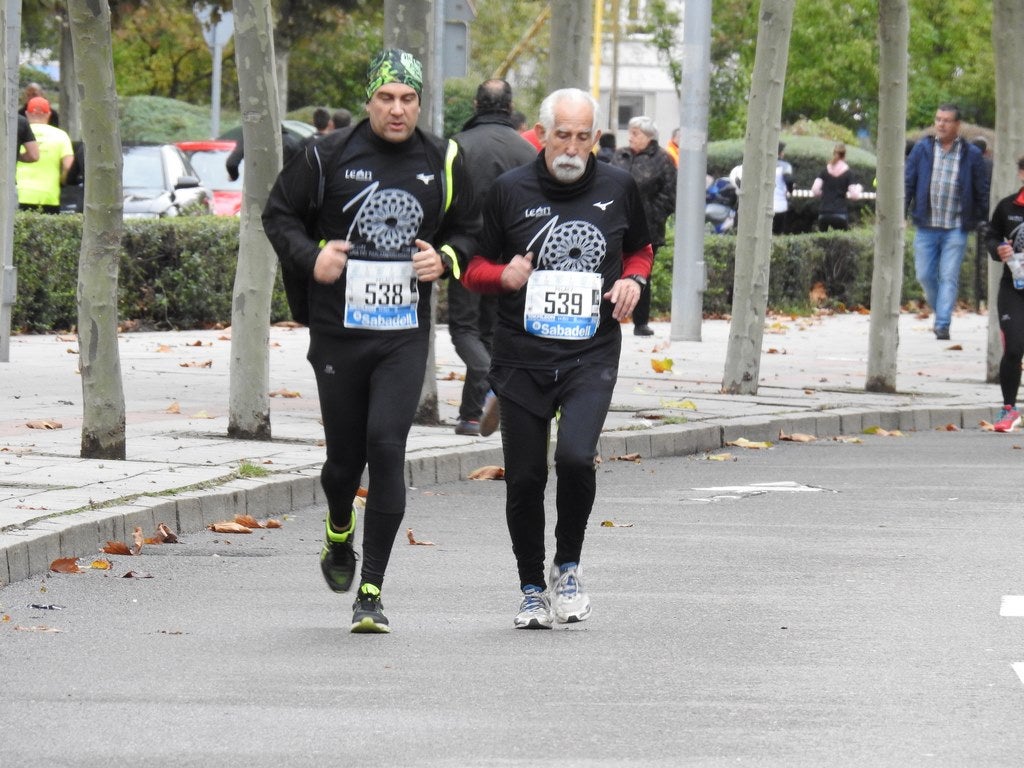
(569, 601)
(535, 610)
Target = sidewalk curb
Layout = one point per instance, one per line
(27, 552)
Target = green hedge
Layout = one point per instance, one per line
(841, 261)
(179, 273)
(174, 273)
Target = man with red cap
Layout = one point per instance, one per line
(39, 183)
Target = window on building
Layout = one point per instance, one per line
(630, 105)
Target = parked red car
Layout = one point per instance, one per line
(208, 158)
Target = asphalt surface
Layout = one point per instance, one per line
(830, 603)
(182, 470)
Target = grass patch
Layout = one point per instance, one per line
(248, 469)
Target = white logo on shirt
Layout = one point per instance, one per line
(426, 178)
(604, 206)
(359, 174)
(533, 213)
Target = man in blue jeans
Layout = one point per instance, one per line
(947, 196)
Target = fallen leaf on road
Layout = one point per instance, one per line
(196, 364)
(875, 430)
(199, 343)
(285, 393)
(720, 457)
(137, 575)
(116, 548)
(163, 348)
(797, 437)
(742, 442)
(661, 366)
(634, 457)
(101, 564)
(67, 337)
(174, 408)
(361, 492)
(774, 351)
(808, 391)
(986, 426)
(228, 526)
(412, 539)
(613, 524)
(951, 428)
(272, 523)
(248, 521)
(847, 439)
(490, 472)
(202, 415)
(165, 535)
(65, 565)
(139, 540)
(454, 376)
(955, 348)
(44, 424)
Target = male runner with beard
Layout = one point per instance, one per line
(565, 245)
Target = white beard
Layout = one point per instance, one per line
(568, 168)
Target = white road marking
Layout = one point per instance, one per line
(1012, 605)
(786, 485)
(1018, 667)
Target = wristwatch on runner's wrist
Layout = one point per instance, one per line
(639, 280)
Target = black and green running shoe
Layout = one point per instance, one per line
(368, 611)
(337, 558)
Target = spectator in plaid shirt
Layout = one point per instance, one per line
(947, 196)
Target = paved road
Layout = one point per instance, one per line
(854, 622)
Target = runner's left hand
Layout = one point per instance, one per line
(625, 294)
(426, 262)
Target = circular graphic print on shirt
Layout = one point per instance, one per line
(390, 218)
(575, 246)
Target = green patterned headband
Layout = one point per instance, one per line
(394, 66)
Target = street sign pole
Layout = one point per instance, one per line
(217, 26)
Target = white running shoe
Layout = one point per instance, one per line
(569, 601)
(535, 610)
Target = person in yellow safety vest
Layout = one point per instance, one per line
(38, 184)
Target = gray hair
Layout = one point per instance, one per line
(574, 95)
(645, 125)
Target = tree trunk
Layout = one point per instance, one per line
(890, 226)
(572, 29)
(249, 398)
(410, 26)
(10, 44)
(103, 423)
(70, 108)
(281, 57)
(1007, 32)
(754, 237)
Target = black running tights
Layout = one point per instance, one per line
(1010, 304)
(583, 400)
(369, 391)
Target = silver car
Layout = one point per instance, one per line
(159, 182)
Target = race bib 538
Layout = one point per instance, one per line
(381, 295)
